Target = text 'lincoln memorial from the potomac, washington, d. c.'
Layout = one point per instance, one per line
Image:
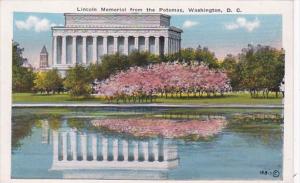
(85, 38)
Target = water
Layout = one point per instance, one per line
(248, 147)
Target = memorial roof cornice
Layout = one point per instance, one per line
(118, 28)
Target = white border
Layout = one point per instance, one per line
(297, 91)
(283, 7)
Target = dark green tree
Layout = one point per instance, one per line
(261, 69)
(187, 55)
(112, 64)
(204, 55)
(96, 71)
(78, 81)
(231, 66)
(53, 81)
(137, 58)
(22, 77)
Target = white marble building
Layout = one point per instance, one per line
(85, 38)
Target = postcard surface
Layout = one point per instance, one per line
(148, 90)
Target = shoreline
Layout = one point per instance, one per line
(69, 105)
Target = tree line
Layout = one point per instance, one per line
(257, 69)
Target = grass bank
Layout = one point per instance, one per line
(232, 98)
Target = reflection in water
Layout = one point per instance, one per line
(84, 150)
(45, 132)
(141, 127)
(67, 146)
(71, 147)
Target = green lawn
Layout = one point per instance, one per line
(232, 98)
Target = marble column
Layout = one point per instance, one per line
(95, 49)
(156, 45)
(125, 150)
(179, 46)
(84, 146)
(175, 45)
(166, 48)
(115, 44)
(145, 151)
(115, 149)
(104, 147)
(104, 45)
(74, 50)
(84, 49)
(147, 44)
(136, 151)
(172, 45)
(169, 46)
(63, 50)
(178, 49)
(99, 147)
(74, 146)
(45, 132)
(126, 45)
(136, 43)
(155, 150)
(165, 151)
(64, 146)
(55, 145)
(94, 146)
(54, 50)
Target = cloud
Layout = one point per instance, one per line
(242, 22)
(189, 24)
(35, 23)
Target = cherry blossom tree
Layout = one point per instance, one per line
(142, 83)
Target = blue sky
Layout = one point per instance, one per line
(223, 34)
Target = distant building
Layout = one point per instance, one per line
(43, 58)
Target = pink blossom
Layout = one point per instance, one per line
(164, 77)
(169, 128)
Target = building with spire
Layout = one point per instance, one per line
(43, 58)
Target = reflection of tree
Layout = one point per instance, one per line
(192, 138)
(21, 128)
(76, 123)
(188, 115)
(264, 127)
(54, 121)
(22, 125)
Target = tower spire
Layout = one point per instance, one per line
(44, 58)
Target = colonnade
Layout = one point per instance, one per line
(75, 146)
(72, 49)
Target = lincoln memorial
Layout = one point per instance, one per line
(85, 38)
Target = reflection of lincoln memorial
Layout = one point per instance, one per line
(80, 150)
(86, 154)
